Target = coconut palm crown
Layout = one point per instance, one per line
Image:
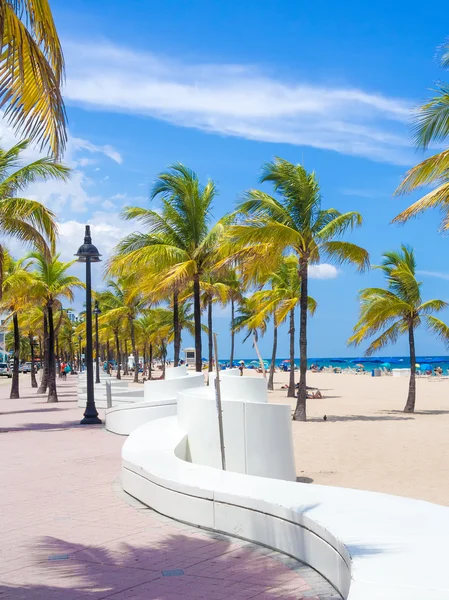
(387, 313)
(294, 221)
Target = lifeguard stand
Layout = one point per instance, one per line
(190, 356)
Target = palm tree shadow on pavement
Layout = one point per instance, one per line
(175, 566)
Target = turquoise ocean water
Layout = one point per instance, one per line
(368, 363)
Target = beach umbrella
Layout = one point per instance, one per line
(417, 365)
(286, 361)
(387, 365)
(426, 367)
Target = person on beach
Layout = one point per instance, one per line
(241, 366)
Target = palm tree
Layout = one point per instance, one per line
(431, 125)
(51, 284)
(396, 310)
(32, 71)
(31, 322)
(127, 303)
(281, 300)
(247, 318)
(26, 220)
(16, 286)
(179, 245)
(294, 221)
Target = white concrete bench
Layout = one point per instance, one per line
(370, 546)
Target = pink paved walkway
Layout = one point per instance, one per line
(69, 532)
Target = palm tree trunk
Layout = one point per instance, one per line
(256, 347)
(33, 374)
(291, 384)
(52, 394)
(108, 350)
(164, 359)
(231, 359)
(197, 320)
(125, 361)
(58, 358)
(210, 335)
(136, 357)
(410, 404)
(300, 411)
(176, 329)
(44, 359)
(117, 348)
(2, 264)
(15, 371)
(150, 369)
(270, 385)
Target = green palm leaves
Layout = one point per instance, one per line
(31, 72)
(431, 125)
(294, 221)
(385, 314)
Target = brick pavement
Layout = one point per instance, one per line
(70, 533)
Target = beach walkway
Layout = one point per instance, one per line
(70, 533)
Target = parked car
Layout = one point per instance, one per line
(25, 368)
(5, 370)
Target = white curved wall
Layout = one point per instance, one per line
(176, 372)
(122, 420)
(257, 436)
(234, 387)
(167, 389)
(370, 546)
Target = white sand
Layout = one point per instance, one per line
(367, 441)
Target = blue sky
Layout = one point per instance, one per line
(224, 88)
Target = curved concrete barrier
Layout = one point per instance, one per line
(133, 407)
(369, 546)
(123, 419)
(167, 389)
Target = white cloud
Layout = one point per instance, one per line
(323, 271)
(437, 274)
(239, 100)
(77, 144)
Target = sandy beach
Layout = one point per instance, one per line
(367, 441)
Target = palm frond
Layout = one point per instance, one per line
(341, 252)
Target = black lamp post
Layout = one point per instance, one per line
(88, 253)
(97, 312)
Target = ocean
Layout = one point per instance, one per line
(395, 362)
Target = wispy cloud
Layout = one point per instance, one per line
(437, 274)
(239, 100)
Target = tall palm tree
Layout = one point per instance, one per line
(127, 303)
(397, 310)
(26, 220)
(179, 244)
(16, 284)
(281, 300)
(31, 322)
(431, 125)
(51, 284)
(32, 71)
(294, 221)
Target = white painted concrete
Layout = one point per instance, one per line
(257, 436)
(167, 389)
(234, 387)
(370, 546)
(124, 418)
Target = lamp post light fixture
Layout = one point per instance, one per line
(88, 253)
(97, 312)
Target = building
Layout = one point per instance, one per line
(73, 317)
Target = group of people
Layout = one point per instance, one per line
(64, 369)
